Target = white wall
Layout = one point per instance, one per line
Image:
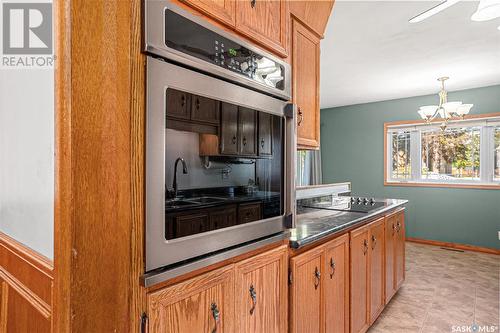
(27, 157)
(186, 145)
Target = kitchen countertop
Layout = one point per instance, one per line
(314, 224)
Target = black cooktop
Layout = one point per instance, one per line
(347, 204)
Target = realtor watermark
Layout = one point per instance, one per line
(27, 35)
(474, 328)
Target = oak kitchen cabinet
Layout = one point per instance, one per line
(394, 253)
(222, 10)
(319, 291)
(377, 273)
(261, 293)
(201, 304)
(249, 296)
(360, 280)
(305, 84)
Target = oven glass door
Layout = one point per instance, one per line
(223, 164)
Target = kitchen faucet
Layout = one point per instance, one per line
(184, 171)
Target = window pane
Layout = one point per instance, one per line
(496, 155)
(451, 155)
(401, 164)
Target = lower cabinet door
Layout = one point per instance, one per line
(377, 273)
(261, 292)
(390, 232)
(399, 266)
(200, 304)
(360, 319)
(336, 285)
(305, 300)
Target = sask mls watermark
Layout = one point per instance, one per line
(27, 36)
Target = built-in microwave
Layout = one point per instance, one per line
(220, 140)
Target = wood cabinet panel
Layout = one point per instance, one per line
(204, 110)
(305, 82)
(336, 285)
(390, 231)
(222, 10)
(177, 104)
(222, 218)
(314, 14)
(377, 273)
(261, 293)
(305, 300)
(201, 304)
(265, 140)
(399, 258)
(191, 224)
(229, 129)
(249, 212)
(265, 21)
(360, 320)
(247, 122)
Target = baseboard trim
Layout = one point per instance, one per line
(457, 246)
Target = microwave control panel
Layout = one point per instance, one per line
(188, 37)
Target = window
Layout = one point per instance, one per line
(466, 153)
(496, 154)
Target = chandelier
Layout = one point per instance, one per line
(446, 110)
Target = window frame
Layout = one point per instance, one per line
(415, 128)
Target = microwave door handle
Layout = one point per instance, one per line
(290, 112)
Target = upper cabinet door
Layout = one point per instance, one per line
(261, 293)
(265, 134)
(204, 110)
(248, 131)
(229, 129)
(177, 104)
(222, 10)
(201, 304)
(265, 21)
(305, 67)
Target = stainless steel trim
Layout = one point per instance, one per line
(160, 76)
(155, 43)
(153, 278)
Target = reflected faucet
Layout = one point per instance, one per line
(184, 171)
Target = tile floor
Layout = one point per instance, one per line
(444, 291)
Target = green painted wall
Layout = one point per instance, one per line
(352, 150)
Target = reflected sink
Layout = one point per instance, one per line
(178, 203)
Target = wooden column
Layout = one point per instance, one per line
(99, 171)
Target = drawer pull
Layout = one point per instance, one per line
(317, 276)
(253, 295)
(215, 315)
(332, 266)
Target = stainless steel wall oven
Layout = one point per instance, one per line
(220, 142)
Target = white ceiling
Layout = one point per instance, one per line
(371, 53)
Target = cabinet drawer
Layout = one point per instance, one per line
(249, 212)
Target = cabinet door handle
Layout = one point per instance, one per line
(399, 227)
(262, 142)
(253, 295)
(244, 141)
(183, 100)
(332, 266)
(374, 242)
(393, 228)
(234, 140)
(365, 246)
(215, 315)
(197, 104)
(317, 276)
(252, 3)
(300, 118)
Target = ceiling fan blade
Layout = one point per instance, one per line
(433, 11)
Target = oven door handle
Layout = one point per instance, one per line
(290, 112)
